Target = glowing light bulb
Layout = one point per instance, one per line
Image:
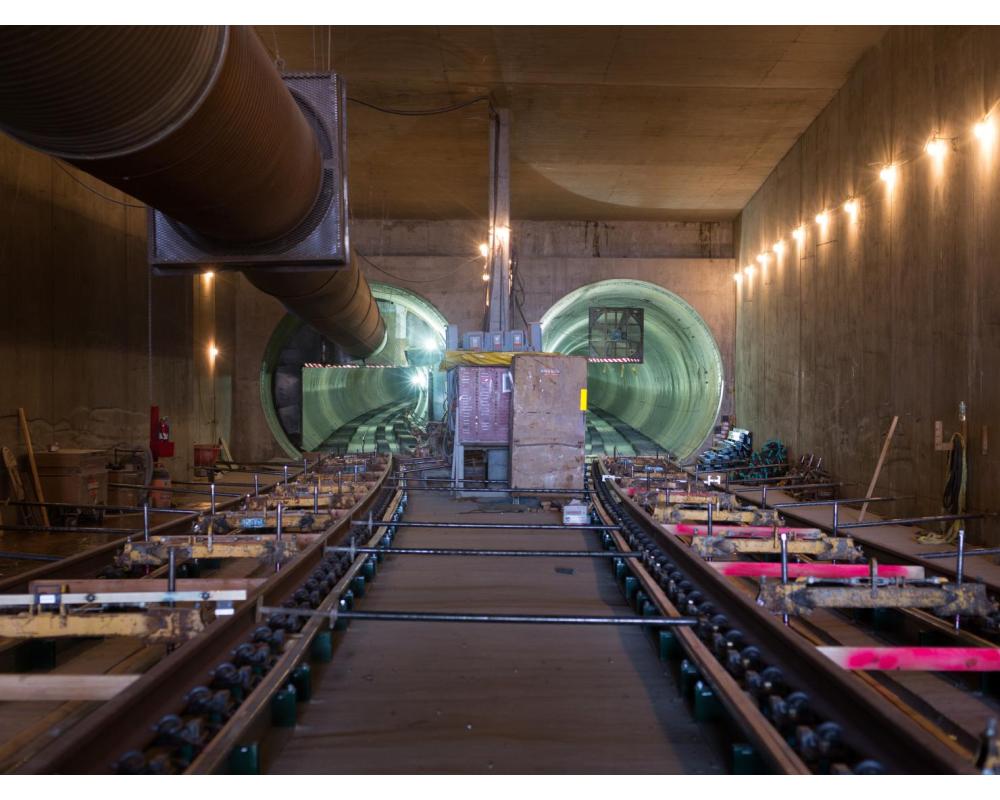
(484, 249)
(822, 218)
(762, 259)
(208, 275)
(429, 344)
(419, 379)
(936, 147)
(851, 207)
(213, 352)
(985, 130)
(748, 269)
(486, 276)
(779, 247)
(737, 277)
(799, 234)
(888, 175)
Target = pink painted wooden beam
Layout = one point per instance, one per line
(924, 659)
(739, 531)
(815, 569)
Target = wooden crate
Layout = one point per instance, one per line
(74, 476)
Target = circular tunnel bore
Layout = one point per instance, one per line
(317, 398)
(671, 400)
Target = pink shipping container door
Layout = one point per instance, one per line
(483, 406)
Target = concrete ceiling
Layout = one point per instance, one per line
(608, 123)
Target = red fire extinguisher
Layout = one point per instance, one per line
(159, 434)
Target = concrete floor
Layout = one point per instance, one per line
(474, 698)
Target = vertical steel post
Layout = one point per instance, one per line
(960, 570)
(784, 566)
(145, 521)
(172, 569)
(256, 484)
(212, 499)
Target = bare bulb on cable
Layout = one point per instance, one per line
(852, 207)
(748, 269)
(936, 147)
(737, 277)
(779, 247)
(762, 259)
(985, 130)
(484, 249)
(486, 276)
(888, 175)
(822, 218)
(799, 234)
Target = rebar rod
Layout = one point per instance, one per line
(438, 616)
(445, 551)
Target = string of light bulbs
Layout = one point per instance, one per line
(936, 147)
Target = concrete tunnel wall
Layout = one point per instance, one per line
(894, 313)
(438, 260)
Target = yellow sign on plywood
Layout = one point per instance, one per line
(583, 399)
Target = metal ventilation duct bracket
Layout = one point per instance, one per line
(320, 241)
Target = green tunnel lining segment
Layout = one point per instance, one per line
(675, 395)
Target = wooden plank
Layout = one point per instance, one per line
(926, 659)
(814, 569)
(740, 531)
(45, 688)
(878, 466)
(28, 741)
(39, 495)
(89, 585)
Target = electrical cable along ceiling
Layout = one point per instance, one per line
(673, 396)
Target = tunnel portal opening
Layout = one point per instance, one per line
(316, 398)
(667, 402)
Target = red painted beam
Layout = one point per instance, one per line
(740, 531)
(925, 659)
(816, 569)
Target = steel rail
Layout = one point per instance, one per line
(411, 488)
(742, 707)
(125, 722)
(214, 755)
(89, 562)
(908, 748)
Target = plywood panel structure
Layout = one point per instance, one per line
(547, 427)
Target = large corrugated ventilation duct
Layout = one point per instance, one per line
(197, 123)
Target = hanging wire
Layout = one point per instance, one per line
(455, 271)
(404, 112)
(95, 191)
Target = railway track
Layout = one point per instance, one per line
(872, 721)
(117, 735)
(750, 689)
